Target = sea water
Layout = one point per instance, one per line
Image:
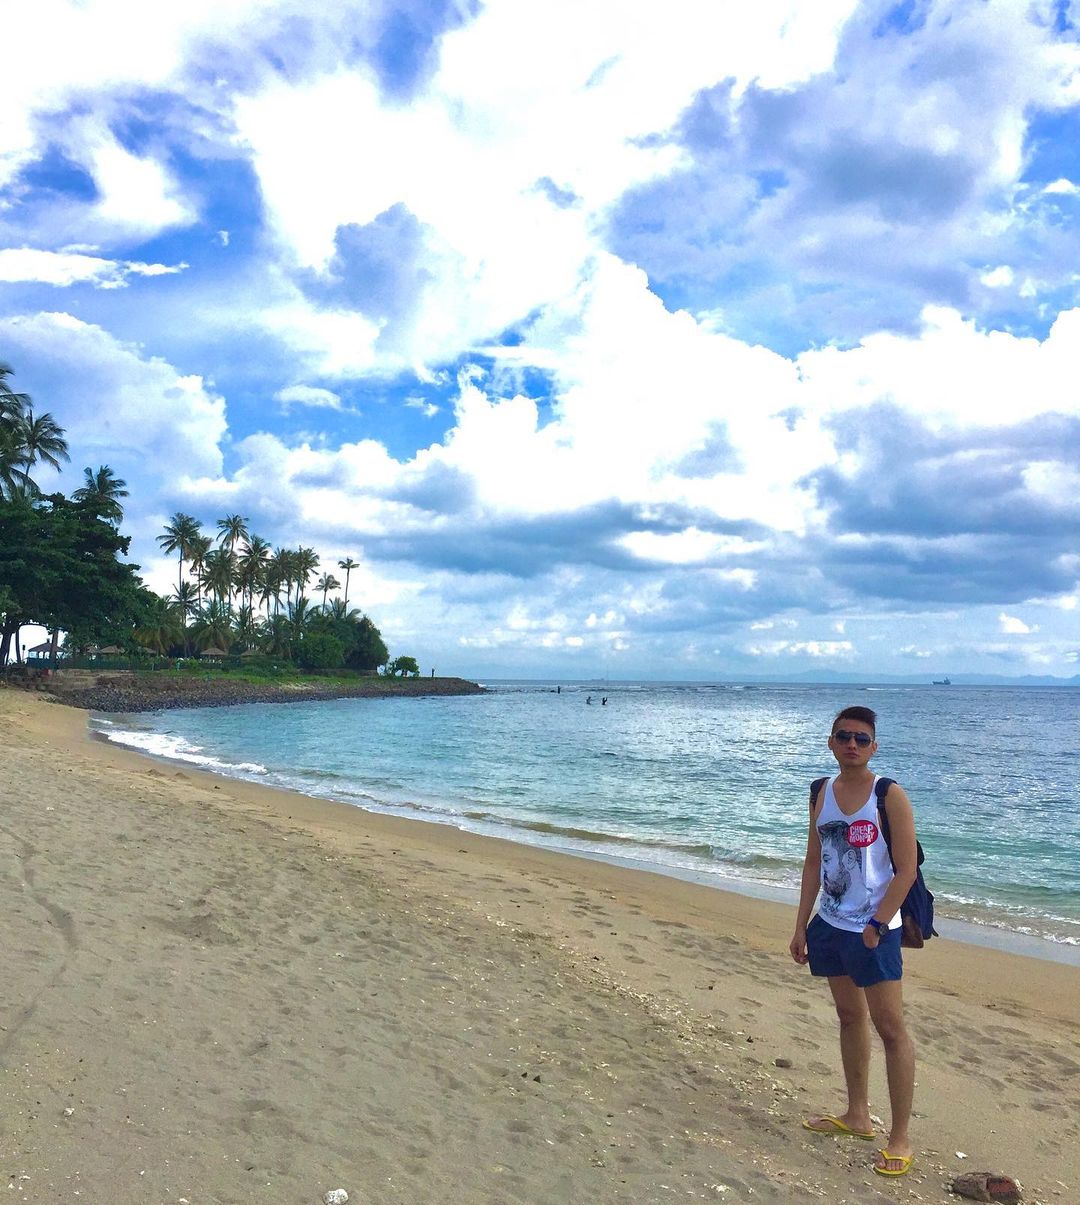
(697, 780)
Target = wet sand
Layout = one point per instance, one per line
(216, 992)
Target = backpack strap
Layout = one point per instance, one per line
(881, 789)
(815, 791)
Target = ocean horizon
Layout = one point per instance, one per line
(706, 781)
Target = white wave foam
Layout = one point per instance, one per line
(175, 748)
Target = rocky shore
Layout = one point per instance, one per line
(129, 692)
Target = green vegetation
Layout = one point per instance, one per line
(402, 667)
(61, 567)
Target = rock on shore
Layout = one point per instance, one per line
(160, 691)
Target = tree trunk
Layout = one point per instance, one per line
(5, 643)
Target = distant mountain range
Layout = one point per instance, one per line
(953, 679)
(821, 677)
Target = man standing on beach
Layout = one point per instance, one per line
(854, 940)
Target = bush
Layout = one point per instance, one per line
(320, 650)
(402, 667)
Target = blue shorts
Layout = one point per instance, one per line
(836, 951)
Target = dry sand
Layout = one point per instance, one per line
(215, 992)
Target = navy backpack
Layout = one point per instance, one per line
(917, 910)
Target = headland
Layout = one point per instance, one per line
(126, 691)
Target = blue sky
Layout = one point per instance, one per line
(611, 339)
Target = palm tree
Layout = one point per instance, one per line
(181, 532)
(214, 629)
(252, 565)
(326, 583)
(13, 461)
(186, 601)
(24, 440)
(232, 529)
(300, 615)
(247, 627)
(280, 573)
(200, 549)
(338, 611)
(163, 626)
(12, 404)
(348, 564)
(306, 563)
(276, 636)
(103, 490)
(219, 576)
(43, 439)
(271, 582)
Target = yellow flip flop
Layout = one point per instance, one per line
(834, 1126)
(905, 1162)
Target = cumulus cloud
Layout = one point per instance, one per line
(894, 177)
(759, 323)
(150, 423)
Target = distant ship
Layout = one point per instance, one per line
(944, 682)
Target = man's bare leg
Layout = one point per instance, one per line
(885, 1001)
(851, 1010)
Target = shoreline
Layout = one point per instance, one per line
(962, 929)
(243, 993)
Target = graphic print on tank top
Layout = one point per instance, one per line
(844, 892)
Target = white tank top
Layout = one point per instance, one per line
(855, 865)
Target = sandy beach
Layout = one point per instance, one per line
(215, 992)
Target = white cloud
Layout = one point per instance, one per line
(524, 93)
(913, 650)
(62, 50)
(684, 548)
(951, 374)
(137, 413)
(1056, 485)
(66, 267)
(308, 395)
(690, 451)
(841, 650)
(334, 342)
(1014, 626)
(137, 195)
(998, 278)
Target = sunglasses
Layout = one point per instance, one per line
(842, 736)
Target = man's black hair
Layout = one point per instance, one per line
(863, 714)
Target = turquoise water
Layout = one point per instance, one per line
(698, 780)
